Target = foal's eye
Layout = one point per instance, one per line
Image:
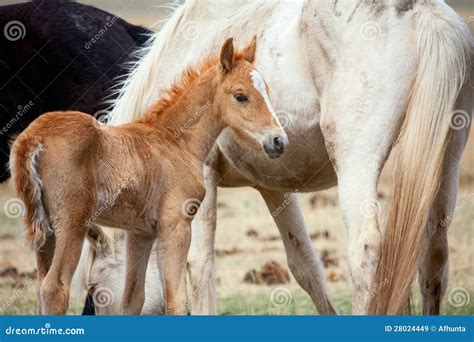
(241, 97)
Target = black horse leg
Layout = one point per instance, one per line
(89, 308)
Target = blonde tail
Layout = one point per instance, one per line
(444, 47)
(24, 160)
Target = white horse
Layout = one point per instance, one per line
(101, 272)
(350, 79)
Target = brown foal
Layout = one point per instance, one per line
(73, 172)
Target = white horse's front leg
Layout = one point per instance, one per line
(201, 257)
(303, 262)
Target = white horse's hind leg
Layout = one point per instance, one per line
(359, 206)
(201, 262)
(360, 120)
(358, 159)
(358, 151)
(433, 272)
(303, 262)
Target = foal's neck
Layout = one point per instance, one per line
(192, 121)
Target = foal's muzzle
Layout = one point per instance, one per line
(274, 145)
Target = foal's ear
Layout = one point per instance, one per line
(227, 55)
(249, 52)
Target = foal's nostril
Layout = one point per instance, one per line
(278, 143)
(274, 145)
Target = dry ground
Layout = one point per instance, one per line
(246, 239)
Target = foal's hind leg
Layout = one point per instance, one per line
(44, 257)
(138, 254)
(303, 262)
(54, 289)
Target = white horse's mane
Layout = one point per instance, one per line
(135, 89)
(122, 108)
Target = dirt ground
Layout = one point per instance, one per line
(247, 239)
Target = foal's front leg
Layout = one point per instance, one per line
(174, 241)
(138, 253)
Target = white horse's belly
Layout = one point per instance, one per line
(305, 166)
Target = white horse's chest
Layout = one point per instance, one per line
(305, 165)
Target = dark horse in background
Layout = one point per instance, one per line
(59, 55)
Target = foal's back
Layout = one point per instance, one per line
(71, 154)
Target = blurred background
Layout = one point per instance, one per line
(250, 254)
(149, 12)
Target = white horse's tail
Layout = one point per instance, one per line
(444, 47)
(133, 96)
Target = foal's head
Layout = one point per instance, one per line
(242, 99)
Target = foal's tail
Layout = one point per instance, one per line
(444, 48)
(24, 158)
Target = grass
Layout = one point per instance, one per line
(241, 211)
(300, 304)
(295, 302)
